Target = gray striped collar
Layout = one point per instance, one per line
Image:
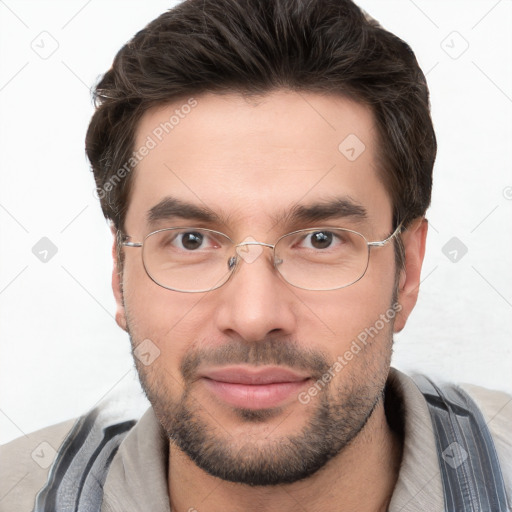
(137, 479)
(419, 487)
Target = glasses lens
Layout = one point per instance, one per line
(187, 259)
(322, 259)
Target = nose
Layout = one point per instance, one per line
(255, 301)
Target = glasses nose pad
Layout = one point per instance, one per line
(232, 262)
(277, 262)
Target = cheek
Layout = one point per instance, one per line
(341, 320)
(337, 318)
(166, 318)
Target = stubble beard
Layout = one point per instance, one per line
(338, 413)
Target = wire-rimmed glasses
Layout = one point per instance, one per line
(194, 260)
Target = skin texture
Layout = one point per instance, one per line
(250, 161)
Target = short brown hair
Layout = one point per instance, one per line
(256, 46)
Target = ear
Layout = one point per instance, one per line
(414, 241)
(117, 285)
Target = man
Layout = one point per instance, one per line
(267, 166)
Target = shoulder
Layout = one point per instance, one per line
(52, 458)
(496, 407)
(25, 463)
(448, 402)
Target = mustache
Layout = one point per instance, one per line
(270, 351)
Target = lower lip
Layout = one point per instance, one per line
(261, 396)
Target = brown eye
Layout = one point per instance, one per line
(191, 240)
(321, 239)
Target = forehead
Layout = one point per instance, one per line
(251, 160)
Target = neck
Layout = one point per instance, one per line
(361, 478)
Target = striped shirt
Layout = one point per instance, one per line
(136, 478)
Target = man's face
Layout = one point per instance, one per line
(216, 384)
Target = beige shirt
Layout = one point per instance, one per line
(137, 478)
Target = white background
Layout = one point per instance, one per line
(61, 350)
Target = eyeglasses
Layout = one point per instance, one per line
(194, 260)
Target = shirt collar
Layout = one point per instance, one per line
(137, 478)
(419, 486)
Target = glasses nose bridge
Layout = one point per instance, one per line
(250, 256)
(255, 242)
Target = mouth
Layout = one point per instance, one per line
(254, 388)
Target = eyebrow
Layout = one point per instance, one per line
(336, 208)
(170, 207)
